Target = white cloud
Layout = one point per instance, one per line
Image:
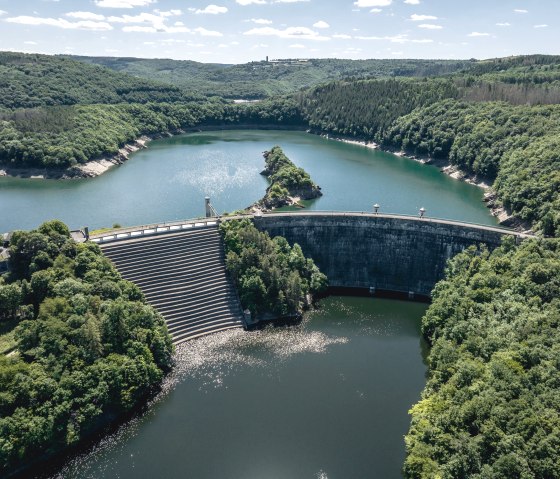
(478, 34)
(212, 10)
(422, 18)
(375, 10)
(412, 2)
(207, 33)
(86, 16)
(321, 24)
(430, 26)
(302, 33)
(503, 24)
(61, 23)
(372, 3)
(423, 40)
(342, 36)
(297, 45)
(151, 22)
(250, 2)
(289, 1)
(261, 21)
(168, 13)
(29, 42)
(520, 10)
(123, 3)
(3, 12)
(139, 29)
(542, 25)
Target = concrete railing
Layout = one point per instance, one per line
(151, 230)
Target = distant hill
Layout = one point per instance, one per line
(31, 80)
(263, 79)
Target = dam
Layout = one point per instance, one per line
(180, 266)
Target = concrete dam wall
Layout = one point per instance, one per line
(391, 253)
(181, 270)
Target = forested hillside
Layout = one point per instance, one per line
(365, 109)
(262, 79)
(61, 137)
(517, 146)
(28, 81)
(491, 407)
(86, 346)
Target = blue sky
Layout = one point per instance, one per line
(235, 31)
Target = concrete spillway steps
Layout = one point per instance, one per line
(183, 276)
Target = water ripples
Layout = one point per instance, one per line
(208, 360)
(216, 172)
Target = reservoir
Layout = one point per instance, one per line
(326, 399)
(169, 180)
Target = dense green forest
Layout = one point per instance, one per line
(262, 79)
(28, 81)
(286, 181)
(517, 146)
(63, 136)
(491, 406)
(86, 345)
(366, 109)
(271, 276)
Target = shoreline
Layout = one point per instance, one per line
(503, 216)
(98, 166)
(90, 169)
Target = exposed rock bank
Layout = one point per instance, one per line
(90, 169)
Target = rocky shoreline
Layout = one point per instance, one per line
(98, 166)
(90, 169)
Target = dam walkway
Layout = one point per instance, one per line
(182, 275)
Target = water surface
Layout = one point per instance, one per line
(169, 180)
(326, 399)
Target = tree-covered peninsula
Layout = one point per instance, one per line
(86, 347)
(288, 183)
(272, 277)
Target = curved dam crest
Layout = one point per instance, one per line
(180, 266)
(400, 254)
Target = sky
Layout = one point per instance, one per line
(238, 31)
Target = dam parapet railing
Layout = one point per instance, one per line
(155, 229)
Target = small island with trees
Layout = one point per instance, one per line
(288, 183)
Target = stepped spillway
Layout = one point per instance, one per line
(183, 276)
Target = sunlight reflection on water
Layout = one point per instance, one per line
(216, 172)
(208, 360)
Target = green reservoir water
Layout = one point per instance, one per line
(168, 181)
(326, 399)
